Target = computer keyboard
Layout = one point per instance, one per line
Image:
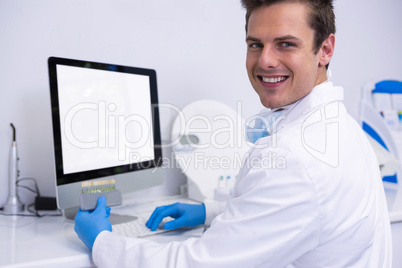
(140, 212)
(137, 228)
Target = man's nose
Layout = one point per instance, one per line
(268, 58)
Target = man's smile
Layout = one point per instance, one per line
(272, 81)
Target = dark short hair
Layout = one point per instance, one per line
(321, 17)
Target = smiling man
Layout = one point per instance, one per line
(324, 207)
(283, 62)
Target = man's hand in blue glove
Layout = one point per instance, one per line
(88, 224)
(186, 215)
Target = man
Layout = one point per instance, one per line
(325, 207)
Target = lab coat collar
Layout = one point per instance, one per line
(267, 111)
(320, 95)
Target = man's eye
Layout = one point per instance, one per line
(287, 44)
(255, 45)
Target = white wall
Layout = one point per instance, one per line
(197, 48)
(367, 45)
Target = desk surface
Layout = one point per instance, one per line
(52, 242)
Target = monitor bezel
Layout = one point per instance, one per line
(61, 178)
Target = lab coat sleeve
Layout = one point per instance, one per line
(212, 209)
(271, 221)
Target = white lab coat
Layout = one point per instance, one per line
(317, 201)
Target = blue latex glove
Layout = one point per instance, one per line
(88, 224)
(186, 215)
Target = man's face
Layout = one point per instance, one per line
(281, 63)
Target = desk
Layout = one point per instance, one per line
(52, 242)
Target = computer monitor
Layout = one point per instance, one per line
(105, 126)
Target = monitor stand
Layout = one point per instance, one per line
(69, 214)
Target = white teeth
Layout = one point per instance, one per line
(273, 80)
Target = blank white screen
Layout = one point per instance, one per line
(105, 118)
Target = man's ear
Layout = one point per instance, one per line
(327, 50)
